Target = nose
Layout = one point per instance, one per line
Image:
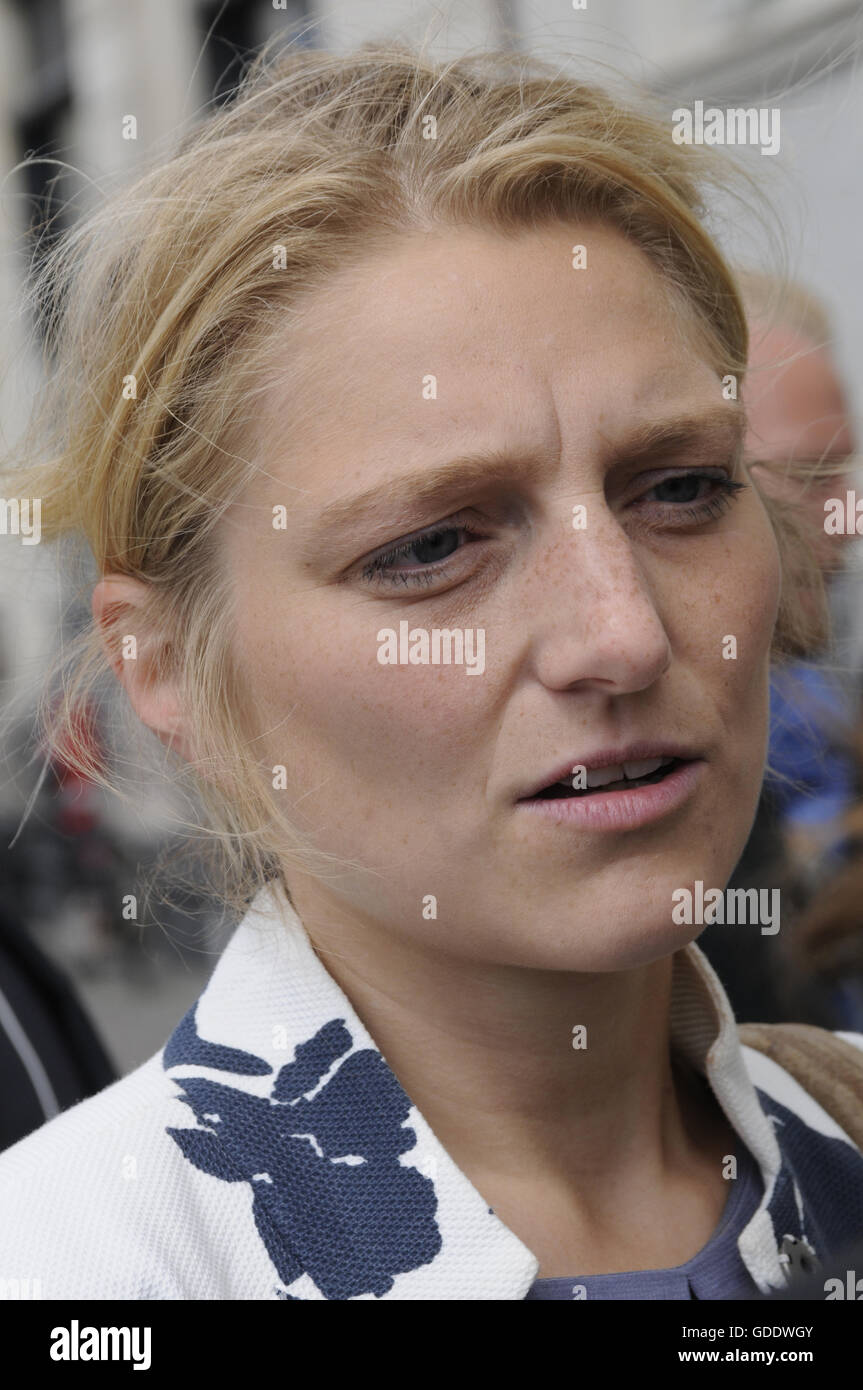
(597, 625)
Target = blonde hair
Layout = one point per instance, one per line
(173, 282)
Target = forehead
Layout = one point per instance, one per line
(465, 339)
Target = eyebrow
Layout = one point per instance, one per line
(433, 485)
(709, 434)
(718, 431)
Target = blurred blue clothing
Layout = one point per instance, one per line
(811, 722)
(811, 717)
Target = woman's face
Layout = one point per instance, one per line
(474, 436)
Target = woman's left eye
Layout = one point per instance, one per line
(696, 496)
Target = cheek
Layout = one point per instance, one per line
(738, 632)
(758, 579)
(342, 723)
(752, 600)
(741, 603)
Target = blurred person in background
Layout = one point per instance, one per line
(51, 1056)
(801, 444)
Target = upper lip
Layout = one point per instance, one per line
(613, 757)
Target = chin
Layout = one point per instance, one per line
(624, 936)
(630, 950)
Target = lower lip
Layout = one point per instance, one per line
(623, 810)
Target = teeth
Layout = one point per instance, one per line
(601, 776)
(643, 768)
(620, 772)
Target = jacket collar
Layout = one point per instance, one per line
(354, 1196)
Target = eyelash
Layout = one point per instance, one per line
(379, 567)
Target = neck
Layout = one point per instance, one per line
(486, 1052)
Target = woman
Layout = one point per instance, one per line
(395, 419)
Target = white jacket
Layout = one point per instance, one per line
(269, 1152)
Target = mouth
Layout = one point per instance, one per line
(620, 777)
(618, 790)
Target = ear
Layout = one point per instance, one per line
(118, 605)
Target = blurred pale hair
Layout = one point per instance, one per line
(774, 302)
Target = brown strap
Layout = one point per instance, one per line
(828, 1068)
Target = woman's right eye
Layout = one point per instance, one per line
(424, 556)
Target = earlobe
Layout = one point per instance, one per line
(118, 605)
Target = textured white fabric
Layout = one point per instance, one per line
(103, 1203)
